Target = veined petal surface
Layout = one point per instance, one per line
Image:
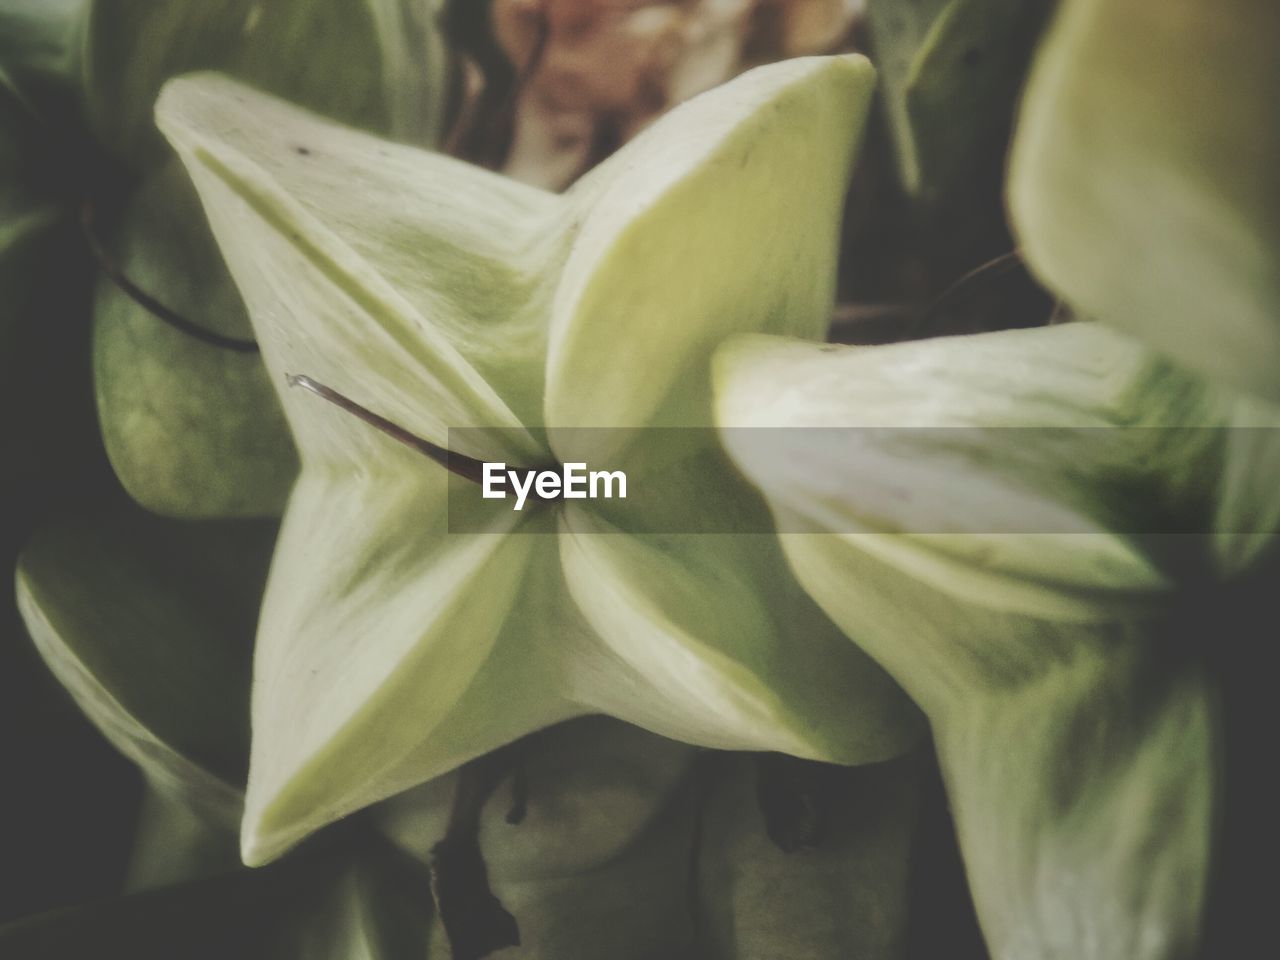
(437, 295)
(1077, 744)
(721, 218)
(362, 262)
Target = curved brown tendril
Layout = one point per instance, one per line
(164, 314)
(874, 323)
(990, 270)
(463, 466)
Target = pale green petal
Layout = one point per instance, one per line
(1079, 759)
(422, 288)
(1143, 182)
(1077, 747)
(1085, 804)
(148, 624)
(731, 654)
(1247, 520)
(955, 484)
(722, 217)
(375, 63)
(192, 429)
(405, 280)
(845, 897)
(951, 72)
(378, 663)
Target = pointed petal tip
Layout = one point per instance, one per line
(762, 164)
(253, 853)
(853, 65)
(268, 833)
(180, 94)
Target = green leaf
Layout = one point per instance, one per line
(951, 71)
(376, 63)
(147, 624)
(1142, 180)
(440, 296)
(1078, 747)
(40, 45)
(192, 429)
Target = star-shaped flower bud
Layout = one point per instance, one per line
(437, 295)
(989, 517)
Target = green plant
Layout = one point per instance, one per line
(693, 722)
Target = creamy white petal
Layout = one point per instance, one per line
(722, 217)
(370, 266)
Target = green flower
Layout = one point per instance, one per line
(624, 849)
(438, 295)
(1142, 181)
(1078, 741)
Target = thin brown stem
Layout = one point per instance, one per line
(459, 464)
(160, 311)
(466, 467)
(964, 287)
